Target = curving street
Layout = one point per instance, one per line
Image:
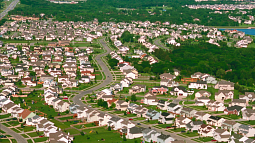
(10, 7)
(15, 135)
(105, 70)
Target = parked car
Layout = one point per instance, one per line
(41, 136)
(138, 123)
(213, 140)
(173, 126)
(160, 123)
(130, 119)
(183, 131)
(168, 127)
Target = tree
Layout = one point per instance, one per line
(133, 98)
(124, 137)
(125, 113)
(193, 119)
(82, 133)
(220, 73)
(113, 105)
(109, 128)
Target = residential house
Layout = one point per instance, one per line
(233, 110)
(239, 102)
(224, 85)
(188, 112)
(215, 106)
(248, 114)
(206, 130)
(194, 125)
(181, 122)
(174, 108)
(137, 89)
(150, 135)
(159, 90)
(121, 105)
(152, 114)
(150, 99)
(249, 96)
(179, 91)
(167, 76)
(246, 130)
(202, 116)
(25, 115)
(134, 132)
(222, 95)
(202, 93)
(198, 85)
(162, 104)
(215, 121)
(166, 118)
(230, 126)
(164, 138)
(221, 135)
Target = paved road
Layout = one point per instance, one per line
(10, 7)
(157, 43)
(15, 135)
(105, 70)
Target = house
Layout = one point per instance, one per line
(215, 106)
(121, 105)
(60, 136)
(126, 82)
(176, 72)
(150, 99)
(164, 138)
(168, 83)
(222, 95)
(198, 85)
(249, 96)
(188, 112)
(181, 122)
(246, 130)
(221, 135)
(134, 132)
(215, 121)
(194, 125)
(179, 91)
(248, 114)
(202, 116)
(159, 89)
(206, 130)
(150, 135)
(211, 80)
(174, 108)
(224, 85)
(62, 106)
(138, 88)
(167, 76)
(202, 93)
(152, 114)
(201, 101)
(166, 118)
(239, 102)
(230, 126)
(116, 87)
(162, 104)
(233, 110)
(26, 114)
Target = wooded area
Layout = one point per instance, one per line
(109, 10)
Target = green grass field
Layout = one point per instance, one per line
(5, 116)
(42, 139)
(59, 124)
(26, 128)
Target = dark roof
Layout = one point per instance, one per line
(136, 130)
(215, 117)
(180, 88)
(163, 137)
(235, 107)
(172, 105)
(165, 114)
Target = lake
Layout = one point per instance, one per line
(246, 31)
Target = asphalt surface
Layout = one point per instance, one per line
(105, 70)
(157, 43)
(10, 7)
(109, 79)
(15, 135)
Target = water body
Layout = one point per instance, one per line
(246, 31)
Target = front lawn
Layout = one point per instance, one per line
(5, 116)
(251, 122)
(189, 102)
(198, 107)
(118, 112)
(13, 123)
(72, 131)
(178, 129)
(59, 124)
(84, 125)
(15, 130)
(139, 119)
(35, 134)
(203, 139)
(150, 122)
(71, 122)
(26, 128)
(164, 125)
(41, 139)
(66, 118)
(25, 136)
(189, 134)
(7, 125)
(231, 117)
(4, 141)
(100, 133)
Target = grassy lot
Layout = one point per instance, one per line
(163, 125)
(230, 117)
(4, 141)
(5, 116)
(203, 139)
(71, 122)
(154, 108)
(7, 125)
(85, 125)
(251, 122)
(139, 119)
(131, 115)
(15, 130)
(1, 131)
(25, 136)
(29, 141)
(198, 107)
(59, 124)
(73, 131)
(98, 76)
(189, 134)
(102, 133)
(42, 139)
(189, 102)
(13, 123)
(26, 128)
(124, 91)
(216, 112)
(151, 122)
(66, 118)
(81, 86)
(118, 112)
(13, 141)
(35, 134)
(178, 129)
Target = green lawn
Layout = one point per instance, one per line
(118, 112)
(5, 116)
(73, 131)
(29, 141)
(25, 136)
(71, 122)
(13, 123)
(189, 134)
(1, 131)
(13, 141)
(198, 107)
(15, 130)
(4, 141)
(189, 102)
(151, 122)
(131, 115)
(42, 139)
(26, 128)
(203, 139)
(178, 129)
(81, 86)
(251, 122)
(85, 125)
(98, 76)
(66, 118)
(103, 133)
(35, 134)
(231, 116)
(7, 125)
(163, 125)
(59, 124)
(125, 90)
(139, 118)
